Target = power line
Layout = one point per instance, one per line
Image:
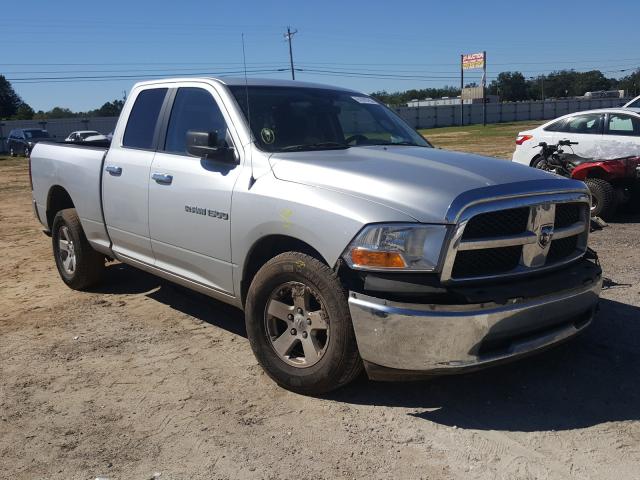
(102, 78)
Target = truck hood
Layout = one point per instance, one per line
(420, 182)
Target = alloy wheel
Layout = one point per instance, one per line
(297, 324)
(66, 250)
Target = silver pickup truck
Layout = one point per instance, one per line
(347, 240)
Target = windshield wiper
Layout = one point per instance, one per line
(315, 146)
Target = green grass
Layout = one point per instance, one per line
(495, 140)
(7, 161)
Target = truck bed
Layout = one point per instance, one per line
(76, 168)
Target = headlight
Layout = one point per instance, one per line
(399, 246)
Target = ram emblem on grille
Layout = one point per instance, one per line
(546, 234)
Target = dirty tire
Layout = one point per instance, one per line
(88, 266)
(603, 202)
(540, 163)
(340, 362)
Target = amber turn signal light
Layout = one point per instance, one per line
(373, 258)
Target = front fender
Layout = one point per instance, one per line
(325, 220)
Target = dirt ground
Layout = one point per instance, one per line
(140, 379)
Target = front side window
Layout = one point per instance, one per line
(143, 118)
(299, 118)
(193, 109)
(585, 124)
(623, 125)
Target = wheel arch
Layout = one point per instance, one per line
(267, 247)
(534, 159)
(590, 172)
(57, 199)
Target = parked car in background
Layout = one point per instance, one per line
(85, 136)
(600, 134)
(22, 140)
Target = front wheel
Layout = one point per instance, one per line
(299, 326)
(543, 164)
(79, 265)
(603, 198)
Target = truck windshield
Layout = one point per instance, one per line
(298, 118)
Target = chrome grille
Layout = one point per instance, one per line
(502, 222)
(494, 240)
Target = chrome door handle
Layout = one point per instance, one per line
(162, 178)
(113, 170)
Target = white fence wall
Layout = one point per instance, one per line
(58, 128)
(417, 117)
(449, 115)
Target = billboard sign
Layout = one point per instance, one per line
(473, 60)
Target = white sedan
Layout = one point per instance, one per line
(602, 134)
(85, 136)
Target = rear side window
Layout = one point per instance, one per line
(556, 126)
(585, 124)
(623, 125)
(143, 118)
(193, 109)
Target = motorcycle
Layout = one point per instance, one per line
(613, 183)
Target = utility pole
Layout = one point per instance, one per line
(461, 89)
(288, 36)
(484, 88)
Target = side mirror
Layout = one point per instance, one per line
(207, 145)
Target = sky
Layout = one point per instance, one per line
(369, 46)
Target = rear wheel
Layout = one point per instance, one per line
(12, 152)
(299, 326)
(603, 198)
(79, 265)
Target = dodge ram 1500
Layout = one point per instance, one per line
(346, 238)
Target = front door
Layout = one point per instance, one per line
(622, 136)
(190, 197)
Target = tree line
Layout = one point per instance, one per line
(514, 87)
(12, 107)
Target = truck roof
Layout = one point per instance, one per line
(252, 82)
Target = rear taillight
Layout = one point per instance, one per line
(520, 139)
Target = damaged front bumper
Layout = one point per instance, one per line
(405, 340)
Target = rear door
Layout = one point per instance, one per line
(125, 179)
(622, 135)
(190, 197)
(586, 129)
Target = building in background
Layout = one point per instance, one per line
(470, 96)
